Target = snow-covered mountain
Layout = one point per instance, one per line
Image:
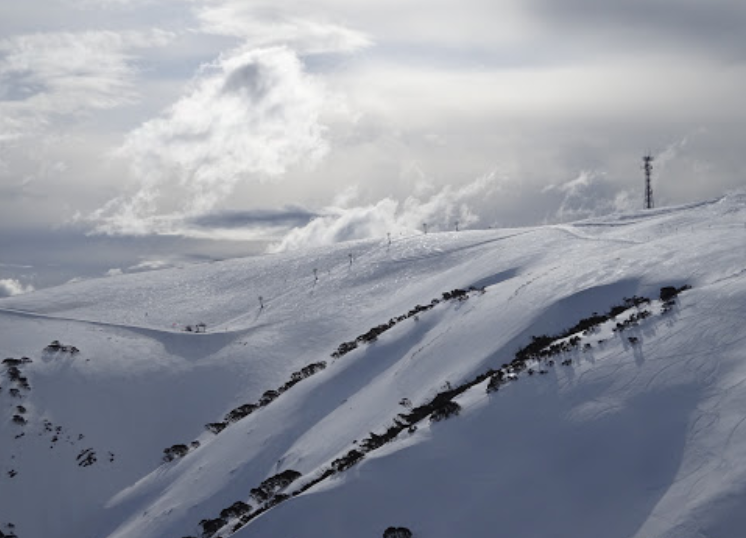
(576, 397)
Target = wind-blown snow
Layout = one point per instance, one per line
(631, 440)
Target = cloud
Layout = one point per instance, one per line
(263, 27)
(673, 150)
(541, 89)
(440, 212)
(58, 73)
(10, 287)
(590, 194)
(714, 27)
(151, 265)
(286, 217)
(249, 116)
(51, 87)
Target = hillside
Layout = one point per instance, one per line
(614, 409)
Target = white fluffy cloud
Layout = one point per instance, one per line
(249, 116)
(10, 287)
(590, 194)
(440, 212)
(263, 27)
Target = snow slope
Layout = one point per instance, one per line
(634, 438)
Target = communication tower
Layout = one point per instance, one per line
(648, 167)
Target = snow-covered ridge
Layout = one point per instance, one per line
(536, 357)
(637, 435)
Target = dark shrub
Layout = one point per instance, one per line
(216, 427)
(348, 460)
(54, 346)
(173, 452)
(344, 348)
(271, 485)
(86, 458)
(259, 494)
(454, 294)
(397, 532)
(14, 374)
(268, 396)
(448, 409)
(240, 412)
(312, 369)
(237, 509)
(277, 499)
(375, 440)
(495, 382)
(667, 292)
(283, 479)
(211, 526)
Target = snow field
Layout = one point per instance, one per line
(630, 440)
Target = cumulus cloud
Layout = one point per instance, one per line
(250, 115)
(590, 194)
(440, 212)
(10, 287)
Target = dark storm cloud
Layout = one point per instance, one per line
(286, 217)
(715, 26)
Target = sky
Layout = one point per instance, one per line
(145, 131)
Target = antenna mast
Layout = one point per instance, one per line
(648, 167)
